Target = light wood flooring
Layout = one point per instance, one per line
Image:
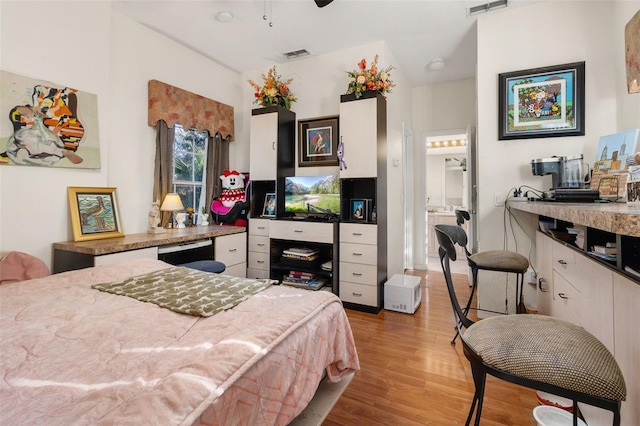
(412, 375)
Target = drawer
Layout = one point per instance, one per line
(564, 261)
(258, 260)
(301, 231)
(114, 258)
(258, 243)
(358, 233)
(358, 273)
(259, 227)
(231, 249)
(359, 253)
(238, 270)
(258, 274)
(358, 293)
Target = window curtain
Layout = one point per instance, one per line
(163, 170)
(217, 163)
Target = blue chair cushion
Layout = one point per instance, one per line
(206, 266)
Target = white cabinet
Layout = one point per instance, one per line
(232, 251)
(359, 133)
(263, 142)
(434, 219)
(359, 264)
(544, 271)
(114, 258)
(259, 264)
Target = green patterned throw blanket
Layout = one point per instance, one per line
(188, 291)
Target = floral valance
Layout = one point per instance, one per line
(174, 105)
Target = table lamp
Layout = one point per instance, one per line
(171, 203)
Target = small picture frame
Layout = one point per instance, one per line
(318, 142)
(269, 209)
(94, 213)
(359, 210)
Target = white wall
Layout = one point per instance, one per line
(112, 57)
(502, 47)
(318, 82)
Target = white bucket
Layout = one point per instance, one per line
(546, 415)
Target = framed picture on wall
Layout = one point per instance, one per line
(318, 142)
(541, 102)
(94, 213)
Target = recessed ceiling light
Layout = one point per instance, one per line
(224, 16)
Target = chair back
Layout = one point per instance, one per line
(461, 216)
(447, 234)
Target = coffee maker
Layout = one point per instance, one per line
(567, 179)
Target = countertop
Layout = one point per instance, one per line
(618, 218)
(144, 240)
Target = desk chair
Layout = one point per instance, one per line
(495, 260)
(535, 351)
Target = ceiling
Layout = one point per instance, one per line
(416, 31)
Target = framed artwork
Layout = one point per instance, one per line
(632, 53)
(318, 142)
(359, 210)
(269, 209)
(94, 213)
(541, 102)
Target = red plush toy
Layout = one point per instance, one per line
(232, 199)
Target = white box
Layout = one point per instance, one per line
(402, 293)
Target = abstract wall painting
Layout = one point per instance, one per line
(46, 124)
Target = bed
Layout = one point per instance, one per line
(72, 354)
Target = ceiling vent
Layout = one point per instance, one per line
(297, 54)
(487, 7)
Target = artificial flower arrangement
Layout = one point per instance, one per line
(274, 92)
(370, 79)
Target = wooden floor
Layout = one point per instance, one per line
(412, 375)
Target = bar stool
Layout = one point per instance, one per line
(535, 351)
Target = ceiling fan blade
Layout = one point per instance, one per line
(322, 3)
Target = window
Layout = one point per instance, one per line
(189, 162)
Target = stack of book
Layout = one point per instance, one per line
(306, 280)
(609, 251)
(303, 254)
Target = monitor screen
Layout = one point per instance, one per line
(315, 195)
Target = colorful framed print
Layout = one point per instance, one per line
(359, 210)
(541, 102)
(318, 142)
(94, 213)
(269, 209)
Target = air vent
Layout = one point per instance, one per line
(297, 54)
(487, 7)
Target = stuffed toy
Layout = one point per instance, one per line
(341, 161)
(232, 188)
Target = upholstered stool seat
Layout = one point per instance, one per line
(500, 260)
(206, 266)
(563, 355)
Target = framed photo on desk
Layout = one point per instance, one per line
(94, 213)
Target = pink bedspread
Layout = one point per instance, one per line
(74, 355)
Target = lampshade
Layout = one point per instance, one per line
(172, 203)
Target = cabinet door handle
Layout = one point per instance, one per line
(260, 261)
(297, 230)
(273, 145)
(356, 274)
(260, 244)
(563, 296)
(356, 234)
(562, 262)
(232, 250)
(357, 254)
(540, 281)
(261, 227)
(357, 294)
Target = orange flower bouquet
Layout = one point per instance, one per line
(370, 79)
(274, 92)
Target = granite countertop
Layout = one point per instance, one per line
(145, 240)
(617, 218)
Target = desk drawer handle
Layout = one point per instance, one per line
(260, 244)
(356, 274)
(357, 294)
(232, 250)
(562, 262)
(262, 227)
(260, 261)
(357, 234)
(297, 230)
(563, 296)
(357, 254)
